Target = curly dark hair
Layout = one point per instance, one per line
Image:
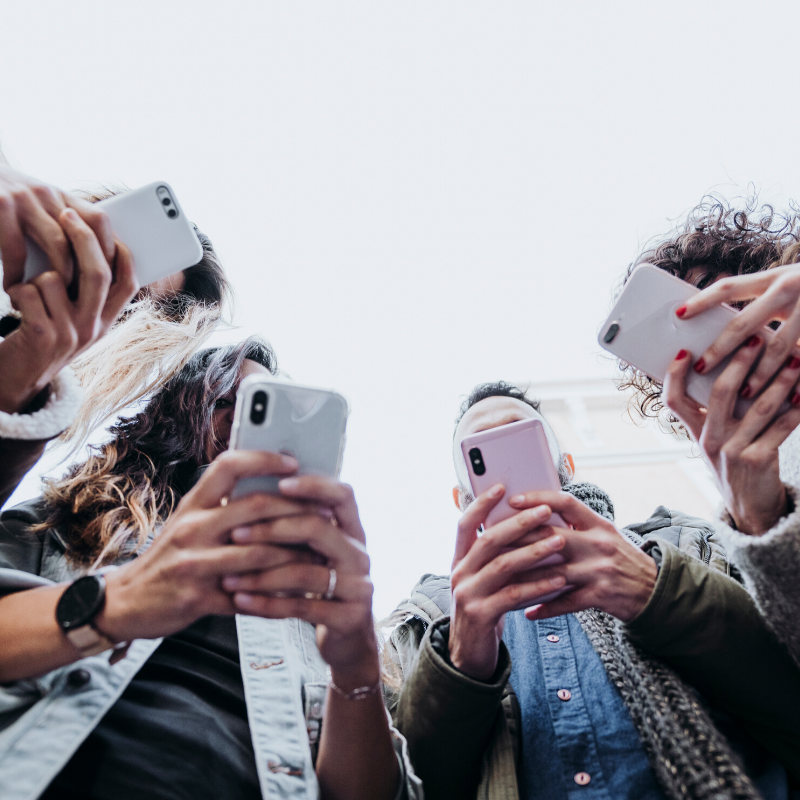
(131, 483)
(716, 239)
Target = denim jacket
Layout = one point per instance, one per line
(44, 721)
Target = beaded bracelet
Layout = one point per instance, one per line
(361, 693)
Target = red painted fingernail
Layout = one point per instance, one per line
(794, 362)
(796, 399)
(681, 355)
(746, 391)
(700, 365)
(753, 341)
(679, 312)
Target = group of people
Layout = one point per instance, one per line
(159, 639)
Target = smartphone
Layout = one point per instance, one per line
(300, 421)
(151, 223)
(644, 331)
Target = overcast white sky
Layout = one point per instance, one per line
(414, 197)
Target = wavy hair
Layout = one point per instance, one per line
(109, 505)
(716, 239)
(151, 341)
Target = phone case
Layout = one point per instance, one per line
(518, 456)
(301, 421)
(161, 244)
(644, 331)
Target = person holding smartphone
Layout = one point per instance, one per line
(159, 639)
(503, 695)
(745, 258)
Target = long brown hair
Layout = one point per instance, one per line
(110, 504)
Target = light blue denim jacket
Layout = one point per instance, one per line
(44, 721)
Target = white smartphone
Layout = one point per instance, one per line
(151, 223)
(300, 421)
(518, 456)
(644, 331)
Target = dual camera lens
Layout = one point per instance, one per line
(475, 456)
(258, 409)
(167, 202)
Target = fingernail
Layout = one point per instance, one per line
(746, 391)
(288, 484)
(70, 214)
(754, 341)
(290, 462)
(795, 401)
(559, 580)
(681, 355)
(555, 542)
(232, 583)
(794, 362)
(241, 535)
(679, 312)
(242, 599)
(517, 499)
(700, 365)
(497, 490)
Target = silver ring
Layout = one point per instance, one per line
(331, 585)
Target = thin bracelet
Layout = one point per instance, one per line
(361, 693)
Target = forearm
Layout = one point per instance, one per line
(17, 458)
(31, 641)
(356, 756)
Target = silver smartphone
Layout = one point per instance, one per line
(644, 331)
(151, 223)
(301, 421)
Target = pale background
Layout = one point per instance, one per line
(411, 198)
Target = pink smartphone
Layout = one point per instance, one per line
(518, 456)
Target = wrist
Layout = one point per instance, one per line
(480, 665)
(116, 619)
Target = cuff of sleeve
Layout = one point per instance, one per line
(57, 414)
(647, 618)
(436, 649)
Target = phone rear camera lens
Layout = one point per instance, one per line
(172, 213)
(166, 201)
(258, 411)
(476, 457)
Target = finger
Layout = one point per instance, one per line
(12, 243)
(780, 348)
(567, 603)
(675, 398)
(59, 308)
(123, 289)
(94, 276)
(26, 299)
(730, 290)
(299, 580)
(766, 406)
(47, 233)
(94, 216)
(503, 535)
(472, 519)
(342, 551)
(275, 507)
(219, 480)
(227, 559)
(331, 613)
(727, 388)
(572, 510)
(337, 496)
(780, 429)
(515, 596)
(509, 565)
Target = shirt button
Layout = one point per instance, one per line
(582, 778)
(552, 638)
(566, 694)
(78, 678)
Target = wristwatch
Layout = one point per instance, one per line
(82, 601)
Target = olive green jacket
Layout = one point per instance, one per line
(463, 734)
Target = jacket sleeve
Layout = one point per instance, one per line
(447, 717)
(707, 627)
(770, 566)
(24, 436)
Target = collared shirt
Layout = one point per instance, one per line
(578, 739)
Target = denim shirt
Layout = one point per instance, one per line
(43, 721)
(578, 740)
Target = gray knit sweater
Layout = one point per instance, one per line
(770, 564)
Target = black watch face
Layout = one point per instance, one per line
(81, 602)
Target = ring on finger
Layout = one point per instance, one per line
(331, 584)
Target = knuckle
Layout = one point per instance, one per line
(763, 407)
(43, 192)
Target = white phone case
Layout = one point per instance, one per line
(301, 421)
(649, 335)
(161, 244)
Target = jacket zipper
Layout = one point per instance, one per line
(705, 550)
